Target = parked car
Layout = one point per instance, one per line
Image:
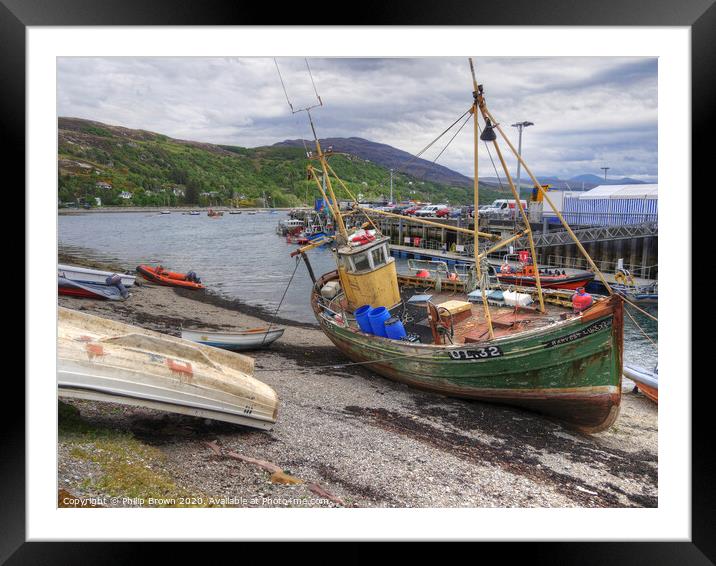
(430, 210)
(401, 208)
(502, 208)
(411, 211)
(443, 212)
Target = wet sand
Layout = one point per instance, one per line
(365, 440)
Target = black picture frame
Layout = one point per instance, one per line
(699, 15)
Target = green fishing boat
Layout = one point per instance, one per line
(533, 348)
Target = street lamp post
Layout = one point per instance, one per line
(605, 169)
(391, 187)
(520, 126)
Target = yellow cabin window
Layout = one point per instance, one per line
(361, 262)
(378, 256)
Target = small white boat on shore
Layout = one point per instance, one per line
(647, 381)
(103, 360)
(87, 275)
(252, 339)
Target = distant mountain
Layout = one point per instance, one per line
(391, 158)
(596, 180)
(577, 183)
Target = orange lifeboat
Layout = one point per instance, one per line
(170, 278)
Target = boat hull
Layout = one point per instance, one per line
(88, 290)
(572, 282)
(236, 342)
(647, 382)
(87, 275)
(104, 360)
(571, 370)
(168, 278)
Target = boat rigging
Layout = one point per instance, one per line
(562, 357)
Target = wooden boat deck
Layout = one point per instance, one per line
(470, 327)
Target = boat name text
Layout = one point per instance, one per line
(589, 330)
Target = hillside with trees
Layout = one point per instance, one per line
(129, 167)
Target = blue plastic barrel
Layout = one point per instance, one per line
(377, 318)
(394, 328)
(361, 315)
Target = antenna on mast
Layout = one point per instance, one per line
(315, 90)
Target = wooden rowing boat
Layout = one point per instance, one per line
(252, 339)
(104, 360)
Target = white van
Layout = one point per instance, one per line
(504, 208)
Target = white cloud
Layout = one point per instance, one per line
(588, 112)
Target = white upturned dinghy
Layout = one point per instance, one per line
(87, 275)
(252, 339)
(103, 360)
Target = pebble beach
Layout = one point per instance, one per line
(345, 437)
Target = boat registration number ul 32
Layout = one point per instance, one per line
(476, 353)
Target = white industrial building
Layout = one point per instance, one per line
(610, 205)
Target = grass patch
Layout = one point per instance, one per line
(129, 467)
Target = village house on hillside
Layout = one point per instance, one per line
(126, 195)
(103, 185)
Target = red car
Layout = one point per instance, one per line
(412, 210)
(443, 213)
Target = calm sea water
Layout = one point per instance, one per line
(238, 256)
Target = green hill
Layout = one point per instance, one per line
(112, 162)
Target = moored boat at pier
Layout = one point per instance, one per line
(523, 275)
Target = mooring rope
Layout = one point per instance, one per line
(640, 328)
(275, 314)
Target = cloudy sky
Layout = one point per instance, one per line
(588, 112)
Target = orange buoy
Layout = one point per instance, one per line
(423, 273)
(581, 300)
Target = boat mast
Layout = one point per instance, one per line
(518, 203)
(476, 95)
(333, 203)
(539, 187)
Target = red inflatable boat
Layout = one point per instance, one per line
(171, 278)
(523, 275)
